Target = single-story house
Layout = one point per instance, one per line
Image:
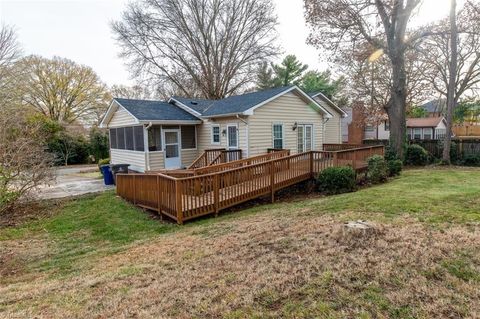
(153, 135)
(427, 128)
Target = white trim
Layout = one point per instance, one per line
(109, 114)
(321, 108)
(219, 134)
(228, 137)
(145, 148)
(179, 145)
(171, 122)
(330, 102)
(184, 107)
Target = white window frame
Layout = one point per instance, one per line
(219, 134)
(304, 134)
(415, 133)
(426, 129)
(273, 134)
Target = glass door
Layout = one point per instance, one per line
(304, 138)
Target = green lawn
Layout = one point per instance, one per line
(100, 256)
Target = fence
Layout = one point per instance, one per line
(193, 196)
(461, 147)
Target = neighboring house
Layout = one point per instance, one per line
(428, 128)
(152, 135)
(333, 126)
(359, 129)
(435, 108)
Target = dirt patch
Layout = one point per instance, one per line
(31, 211)
(271, 265)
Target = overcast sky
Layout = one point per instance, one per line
(80, 31)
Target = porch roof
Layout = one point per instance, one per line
(148, 110)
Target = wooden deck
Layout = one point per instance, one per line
(185, 198)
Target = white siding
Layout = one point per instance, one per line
(135, 159)
(333, 127)
(288, 110)
(121, 118)
(157, 160)
(204, 134)
(188, 156)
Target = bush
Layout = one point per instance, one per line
(68, 148)
(377, 171)
(336, 180)
(104, 161)
(471, 160)
(416, 155)
(394, 167)
(98, 144)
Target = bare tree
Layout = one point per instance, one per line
(63, 90)
(436, 54)
(9, 52)
(343, 25)
(131, 92)
(24, 163)
(452, 79)
(205, 47)
(370, 81)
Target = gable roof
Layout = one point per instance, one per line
(147, 110)
(432, 106)
(241, 104)
(424, 121)
(329, 102)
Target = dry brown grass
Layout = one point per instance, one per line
(270, 265)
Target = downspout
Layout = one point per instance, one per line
(145, 145)
(246, 135)
(325, 120)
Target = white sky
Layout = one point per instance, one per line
(80, 30)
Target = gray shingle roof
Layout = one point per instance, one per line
(231, 105)
(435, 105)
(146, 110)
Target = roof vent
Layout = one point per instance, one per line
(194, 102)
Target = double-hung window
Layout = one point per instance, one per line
(417, 133)
(278, 136)
(216, 134)
(427, 133)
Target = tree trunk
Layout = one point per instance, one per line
(396, 107)
(451, 81)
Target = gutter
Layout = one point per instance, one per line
(247, 135)
(145, 145)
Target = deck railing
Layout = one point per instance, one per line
(189, 197)
(340, 147)
(206, 158)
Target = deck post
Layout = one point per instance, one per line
(312, 173)
(216, 194)
(335, 159)
(178, 202)
(272, 182)
(134, 191)
(354, 162)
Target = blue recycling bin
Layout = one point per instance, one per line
(107, 174)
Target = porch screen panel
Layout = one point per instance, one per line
(188, 137)
(129, 139)
(138, 138)
(113, 138)
(155, 138)
(121, 138)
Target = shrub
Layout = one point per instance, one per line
(104, 161)
(336, 180)
(68, 148)
(377, 171)
(98, 144)
(416, 155)
(394, 167)
(471, 160)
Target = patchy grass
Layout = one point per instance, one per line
(100, 257)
